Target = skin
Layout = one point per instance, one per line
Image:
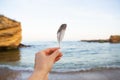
(44, 61)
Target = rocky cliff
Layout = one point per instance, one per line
(114, 39)
(10, 33)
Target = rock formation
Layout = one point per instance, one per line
(10, 33)
(99, 40)
(114, 39)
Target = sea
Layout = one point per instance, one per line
(77, 56)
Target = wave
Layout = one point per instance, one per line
(16, 67)
(20, 68)
(84, 70)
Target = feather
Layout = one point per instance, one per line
(61, 32)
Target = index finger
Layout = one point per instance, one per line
(48, 51)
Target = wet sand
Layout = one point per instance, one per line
(109, 74)
(106, 74)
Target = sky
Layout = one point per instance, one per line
(85, 19)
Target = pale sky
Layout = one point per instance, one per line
(85, 19)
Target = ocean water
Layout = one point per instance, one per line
(77, 56)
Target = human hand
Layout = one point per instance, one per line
(45, 59)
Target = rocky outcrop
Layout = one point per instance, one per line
(114, 39)
(10, 33)
(100, 40)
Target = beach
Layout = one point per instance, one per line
(105, 74)
(87, 33)
(108, 74)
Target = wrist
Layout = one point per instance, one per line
(41, 71)
(38, 75)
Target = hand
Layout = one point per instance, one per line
(44, 61)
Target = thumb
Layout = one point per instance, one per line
(55, 54)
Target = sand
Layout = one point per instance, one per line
(105, 74)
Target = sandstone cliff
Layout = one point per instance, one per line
(10, 33)
(114, 39)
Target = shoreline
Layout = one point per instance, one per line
(103, 74)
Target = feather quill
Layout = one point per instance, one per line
(61, 32)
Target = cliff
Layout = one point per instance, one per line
(10, 33)
(114, 39)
